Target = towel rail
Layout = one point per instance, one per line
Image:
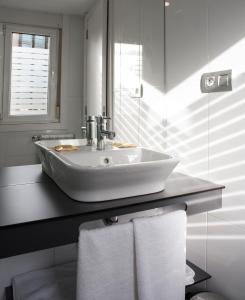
(115, 219)
(111, 221)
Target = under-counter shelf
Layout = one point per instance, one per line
(200, 276)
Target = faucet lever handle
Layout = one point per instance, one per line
(84, 132)
(106, 121)
(111, 135)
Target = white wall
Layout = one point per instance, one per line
(205, 131)
(187, 109)
(15, 140)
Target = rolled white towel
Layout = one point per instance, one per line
(56, 283)
(189, 275)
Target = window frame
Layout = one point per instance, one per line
(53, 93)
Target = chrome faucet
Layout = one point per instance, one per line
(102, 132)
(91, 130)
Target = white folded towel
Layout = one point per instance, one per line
(106, 264)
(160, 256)
(57, 283)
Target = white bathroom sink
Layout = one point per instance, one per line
(92, 175)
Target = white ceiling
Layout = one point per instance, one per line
(77, 7)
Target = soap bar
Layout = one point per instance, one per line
(60, 148)
(123, 145)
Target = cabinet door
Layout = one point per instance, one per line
(126, 68)
(138, 68)
(96, 58)
(152, 113)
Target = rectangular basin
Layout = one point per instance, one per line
(91, 175)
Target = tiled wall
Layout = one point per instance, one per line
(207, 132)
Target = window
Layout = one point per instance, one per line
(30, 74)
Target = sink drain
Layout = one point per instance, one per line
(106, 161)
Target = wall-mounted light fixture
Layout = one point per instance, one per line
(167, 3)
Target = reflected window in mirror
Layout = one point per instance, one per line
(30, 89)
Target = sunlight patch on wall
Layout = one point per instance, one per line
(205, 131)
(138, 106)
(217, 237)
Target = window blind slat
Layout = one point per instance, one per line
(29, 80)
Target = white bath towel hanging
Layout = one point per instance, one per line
(106, 264)
(160, 256)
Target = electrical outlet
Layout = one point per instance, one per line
(216, 82)
(137, 92)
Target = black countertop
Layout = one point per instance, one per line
(34, 209)
(28, 195)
